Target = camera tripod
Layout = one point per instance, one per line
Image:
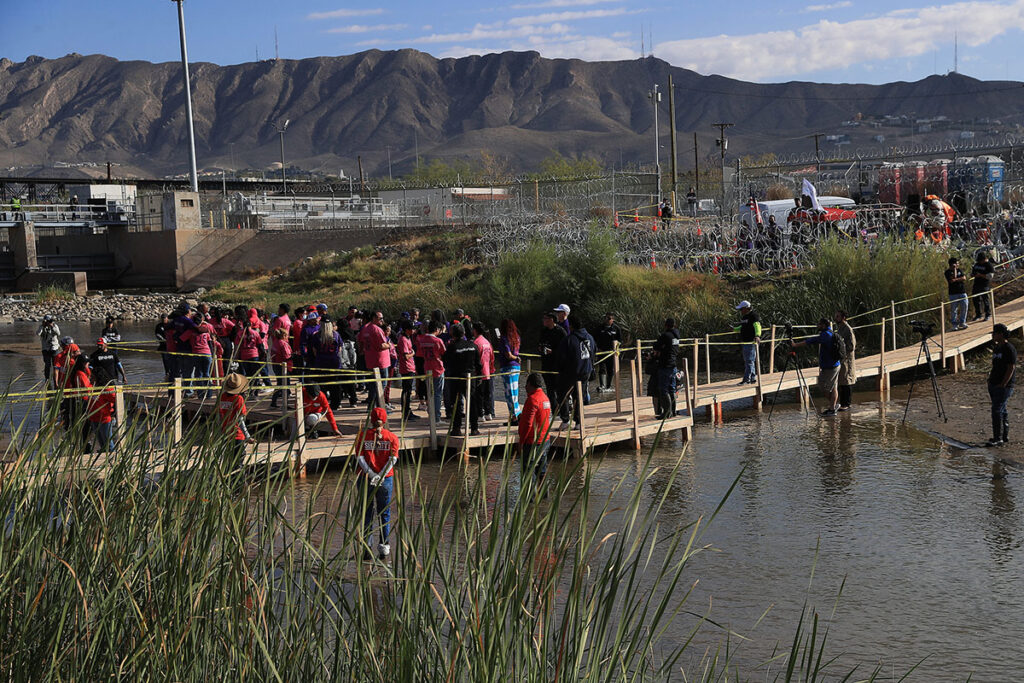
(926, 351)
(792, 361)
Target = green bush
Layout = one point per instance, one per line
(45, 294)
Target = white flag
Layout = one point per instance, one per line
(812, 193)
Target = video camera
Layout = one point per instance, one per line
(925, 329)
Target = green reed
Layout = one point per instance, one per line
(169, 561)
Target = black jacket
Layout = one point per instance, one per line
(549, 342)
(575, 355)
(462, 358)
(606, 336)
(666, 348)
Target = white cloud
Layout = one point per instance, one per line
(551, 17)
(826, 8)
(427, 27)
(345, 13)
(559, 3)
(834, 45)
(359, 28)
(482, 32)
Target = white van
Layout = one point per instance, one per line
(780, 208)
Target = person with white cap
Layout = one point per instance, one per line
(562, 312)
(750, 334)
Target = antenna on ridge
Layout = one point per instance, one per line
(956, 52)
(642, 46)
(277, 55)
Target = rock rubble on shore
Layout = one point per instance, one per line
(96, 306)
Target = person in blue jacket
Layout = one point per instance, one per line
(828, 364)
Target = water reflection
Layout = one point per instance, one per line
(1003, 517)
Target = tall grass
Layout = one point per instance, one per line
(47, 294)
(202, 572)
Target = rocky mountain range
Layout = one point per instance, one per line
(515, 105)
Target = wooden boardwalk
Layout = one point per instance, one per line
(624, 419)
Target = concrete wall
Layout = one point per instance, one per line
(72, 281)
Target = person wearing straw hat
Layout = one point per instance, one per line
(750, 334)
(378, 454)
(231, 407)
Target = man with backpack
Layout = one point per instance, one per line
(831, 351)
(575, 355)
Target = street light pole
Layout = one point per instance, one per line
(388, 148)
(656, 98)
(188, 97)
(281, 128)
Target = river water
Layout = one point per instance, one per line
(926, 539)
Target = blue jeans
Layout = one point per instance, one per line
(749, 362)
(378, 504)
(1000, 421)
(958, 309)
(104, 432)
(202, 366)
(438, 396)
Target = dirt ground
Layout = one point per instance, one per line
(968, 408)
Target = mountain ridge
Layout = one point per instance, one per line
(517, 105)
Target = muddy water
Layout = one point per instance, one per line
(928, 542)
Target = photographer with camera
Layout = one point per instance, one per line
(829, 360)
(847, 365)
(1000, 383)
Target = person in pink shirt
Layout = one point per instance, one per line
(296, 334)
(249, 341)
(433, 349)
(201, 338)
(485, 392)
(280, 359)
(407, 368)
(376, 348)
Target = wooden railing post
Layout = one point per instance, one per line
(299, 460)
(707, 357)
(583, 420)
(686, 380)
(378, 387)
(639, 359)
(992, 304)
(615, 379)
(942, 334)
(176, 411)
(633, 370)
(118, 411)
(892, 309)
(468, 407)
(771, 353)
(696, 366)
(882, 384)
(432, 413)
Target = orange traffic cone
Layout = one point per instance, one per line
(636, 215)
(616, 223)
(654, 263)
(654, 227)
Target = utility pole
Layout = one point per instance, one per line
(655, 97)
(817, 156)
(188, 97)
(388, 148)
(281, 128)
(723, 144)
(696, 166)
(672, 137)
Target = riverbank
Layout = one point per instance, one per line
(967, 405)
(95, 307)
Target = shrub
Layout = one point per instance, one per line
(45, 294)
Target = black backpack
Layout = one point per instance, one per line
(839, 350)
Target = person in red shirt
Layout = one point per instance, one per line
(103, 419)
(534, 427)
(317, 408)
(433, 350)
(77, 381)
(376, 349)
(296, 332)
(231, 406)
(378, 454)
(407, 368)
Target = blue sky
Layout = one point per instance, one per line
(819, 40)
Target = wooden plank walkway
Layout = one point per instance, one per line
(624, 419)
